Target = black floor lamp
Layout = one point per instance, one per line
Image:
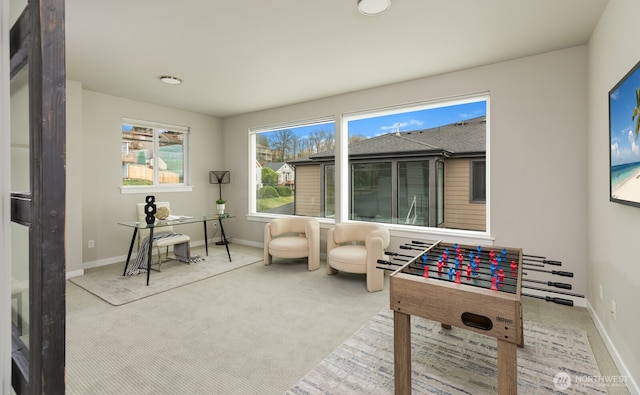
(220, 177)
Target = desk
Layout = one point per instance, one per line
(182, 221)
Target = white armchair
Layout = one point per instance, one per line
(164, 242)
(356, 248)
(293, 237)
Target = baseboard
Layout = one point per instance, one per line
(632, 385)
(75, 273)
(248, 243)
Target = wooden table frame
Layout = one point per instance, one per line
(445, 302)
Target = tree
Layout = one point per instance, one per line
(321, 140)
(269, 177)
(636, 113)
(281, 143)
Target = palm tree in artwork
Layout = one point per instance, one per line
(635, 116)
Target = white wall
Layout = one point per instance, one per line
(103, 205)
(537, 148)
(613, 229)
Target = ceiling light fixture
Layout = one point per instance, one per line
(168, 79)
(373, 7)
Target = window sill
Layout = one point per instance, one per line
(156, 189)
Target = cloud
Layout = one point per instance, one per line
(402, 125)
(632, 139)
(615, 94)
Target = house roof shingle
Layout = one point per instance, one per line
(458, 139)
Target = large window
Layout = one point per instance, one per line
(153, 154)
(422, 165)
(434, 161)
(283, 187)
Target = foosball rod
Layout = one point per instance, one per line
(420, 265)
(562, 301)
(524, 256)
(533, 260)
(554, 272)
(555, 292)
(548, 283)
(566, 302)
(394, 254)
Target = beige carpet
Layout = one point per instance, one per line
(454, 361)
(108, 283)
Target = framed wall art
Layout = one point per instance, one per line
(624, 139)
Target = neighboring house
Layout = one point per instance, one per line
(263, 154)
(286, 173)
(433, 177)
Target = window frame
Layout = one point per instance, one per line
(185, 185)
(253, 160)
(472, 181)
(342, 171)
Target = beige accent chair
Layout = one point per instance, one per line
(356, 248)
(293, 237)
(165, 242)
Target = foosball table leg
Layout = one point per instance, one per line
(507, 368)
(402, 352)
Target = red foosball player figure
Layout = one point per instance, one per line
(426, 271)
(457, 276)
(514, 268)
(468, 271)
(440, 264)
(493, 283)
(501, 277)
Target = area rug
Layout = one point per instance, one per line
(554, 360)
(109, 284)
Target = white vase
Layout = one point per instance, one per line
(220, 208)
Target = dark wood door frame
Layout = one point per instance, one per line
(37, 40)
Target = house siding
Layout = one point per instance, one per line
(308, 191)
(460, 213)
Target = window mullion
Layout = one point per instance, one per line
(156, 151)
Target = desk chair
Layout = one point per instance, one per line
(164, 242)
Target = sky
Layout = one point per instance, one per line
(406, 122)
(417, 120)
(625, 147)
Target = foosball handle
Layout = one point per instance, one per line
(566, 302)
(559, 285)
(554, 263)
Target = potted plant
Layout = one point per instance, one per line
(220, 205)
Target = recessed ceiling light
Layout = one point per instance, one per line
(373, 7)
(168, 79)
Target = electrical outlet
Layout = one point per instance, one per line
(600, 291)
(613, 310)
(91, 244)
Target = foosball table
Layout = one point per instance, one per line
(470, 287)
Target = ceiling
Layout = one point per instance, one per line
(240, 56)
